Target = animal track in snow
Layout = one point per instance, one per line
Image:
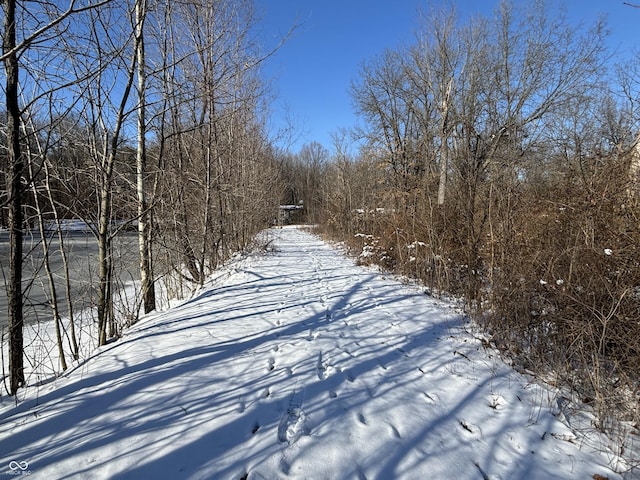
(361, 418)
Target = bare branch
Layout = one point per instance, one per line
(68, 12)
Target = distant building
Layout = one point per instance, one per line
(290, 214)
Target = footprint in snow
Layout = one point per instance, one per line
(403, 352)
(255, 428)
(349, 376)
(284, 466)
(361, 418)
(292, 424)
(431, 397)
(470, 429)
(361, 474)
(271, 364)
(321, 367)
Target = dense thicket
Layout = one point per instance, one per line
(499, 163)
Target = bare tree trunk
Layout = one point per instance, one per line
(144, 227)
(45, 251)
(104, 253)
(14, 187)
(71, 335)
(105, 236)
(633, 190)
(444, 142)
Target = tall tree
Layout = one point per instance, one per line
(107, 157)
(144, 218)
(383, 97)
(434, 64)
(14, 197)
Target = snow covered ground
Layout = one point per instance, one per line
(296, 364)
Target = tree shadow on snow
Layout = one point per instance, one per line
(208, 424)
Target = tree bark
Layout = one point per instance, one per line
(14, 187)
(144, 227)
(633, 190)
(444, 143)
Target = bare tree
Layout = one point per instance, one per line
(383, 97)
(209, 125)
(14, 197)
(144, 223)
(435, 62)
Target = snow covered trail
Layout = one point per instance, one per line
(295, 364)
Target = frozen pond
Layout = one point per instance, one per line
(82, 255)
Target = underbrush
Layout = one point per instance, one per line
(552, 277)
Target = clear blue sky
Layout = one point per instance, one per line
(312, 72)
